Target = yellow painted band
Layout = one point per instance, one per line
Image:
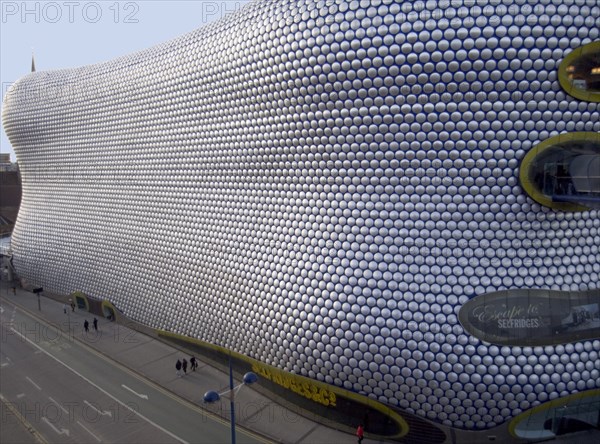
(563, 76)
(376, 405)
(107, 304)
(558, 402)
(528, 185)
(82, 295)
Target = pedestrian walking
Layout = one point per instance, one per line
(178, 367)
(193, 363)
(65, 308)
(95, 324)
(15, 291)
(86, 326)
(360, 433)
(72, 304)
(184, 366)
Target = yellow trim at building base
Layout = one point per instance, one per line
(324, 394)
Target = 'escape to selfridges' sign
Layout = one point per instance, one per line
(527, 316)
(533, 317)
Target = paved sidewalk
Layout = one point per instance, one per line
(155, 360)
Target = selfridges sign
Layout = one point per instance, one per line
(533, 317)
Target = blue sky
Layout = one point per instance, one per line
(71, 33)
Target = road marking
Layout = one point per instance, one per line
(172, 435)
(11, 407)
(101, 412)
(118, 365)
(59, 431)
(134, 392)
(4, 364)
(34, 384)
(89, 431)
(58, 404)
(20, 395)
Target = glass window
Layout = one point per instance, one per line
(579, 73)
(562, 416)
(563, 172)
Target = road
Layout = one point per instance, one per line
(69, 393)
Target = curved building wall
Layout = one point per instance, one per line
(322, 186)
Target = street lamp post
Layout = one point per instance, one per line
(68, 320)
(38, 291)
(231, 402)
(212, 396)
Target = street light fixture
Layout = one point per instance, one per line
(38, 291)
(212, 396)
(68, 310)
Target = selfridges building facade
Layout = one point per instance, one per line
(393, 198)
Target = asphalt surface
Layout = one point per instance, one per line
(15, 428)
(118, 385)
(73, 394)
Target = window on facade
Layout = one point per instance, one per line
(532, 317)
(568, 414)
(579, 73)
(564, 172)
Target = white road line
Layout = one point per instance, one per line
(134, 392)
(89, 431)
(58, 404)
(20, 395)
(172, 435)
(60, 431)
(34, 384)
(15, 411)
(101, 412)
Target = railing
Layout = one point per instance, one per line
(585, 413)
